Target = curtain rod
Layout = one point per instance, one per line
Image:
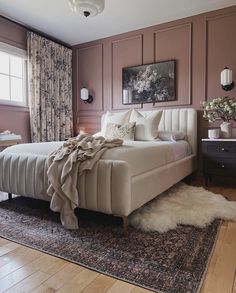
(29, 28)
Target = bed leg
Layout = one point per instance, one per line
(9, 196)
(125, 223)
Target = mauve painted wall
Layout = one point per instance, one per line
(15, 119)
(202, 45)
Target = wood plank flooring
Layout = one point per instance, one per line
(23, 269)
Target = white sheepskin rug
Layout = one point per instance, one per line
(183, 204)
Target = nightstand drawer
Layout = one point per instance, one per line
(222, 166)
(219, 149)
(219, 158)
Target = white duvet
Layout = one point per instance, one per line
(142, 156)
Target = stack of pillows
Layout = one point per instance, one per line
(135, 125)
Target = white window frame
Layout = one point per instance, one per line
(17, 52)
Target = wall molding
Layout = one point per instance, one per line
(190, 52)
(138, 36)
(12, 108)
(207, 22)
(100, 46)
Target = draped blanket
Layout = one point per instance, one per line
(74, 157)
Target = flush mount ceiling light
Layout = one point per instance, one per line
(88, 8)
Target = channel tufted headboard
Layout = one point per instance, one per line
(181, 119)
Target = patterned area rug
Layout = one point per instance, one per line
(171, 262)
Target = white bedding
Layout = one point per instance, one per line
(181, 149)
(143, 156)
(42, 148)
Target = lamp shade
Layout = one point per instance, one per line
(226, 76)
(84, 94)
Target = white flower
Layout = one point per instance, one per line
(219, 108)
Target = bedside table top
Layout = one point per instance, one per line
(219, 139)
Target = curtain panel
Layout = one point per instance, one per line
(50, 89)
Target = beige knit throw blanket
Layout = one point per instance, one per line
(73, 158)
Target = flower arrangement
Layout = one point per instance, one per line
(220, 108)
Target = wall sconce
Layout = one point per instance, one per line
(84, 95)
(226, 81)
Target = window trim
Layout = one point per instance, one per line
(17, 52)
(12, 50)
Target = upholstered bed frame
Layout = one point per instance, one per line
(114, 190)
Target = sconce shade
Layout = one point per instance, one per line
(226, 76)
(226, 79)
(84, 95)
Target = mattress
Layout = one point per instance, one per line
(144, 156)
(41, 149)
(181, 149)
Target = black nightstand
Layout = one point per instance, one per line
(219, 158)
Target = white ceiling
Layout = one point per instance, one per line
(55, 18)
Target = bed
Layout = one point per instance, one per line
(124, 179)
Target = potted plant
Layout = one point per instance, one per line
(223, 108)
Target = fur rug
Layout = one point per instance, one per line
(183, 204)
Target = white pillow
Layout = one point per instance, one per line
(125, 132)
(97, 134)
(146, 125)
(171, 135)
(116, 118)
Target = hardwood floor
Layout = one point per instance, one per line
(23, 269)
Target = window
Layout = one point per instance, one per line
(12, 75)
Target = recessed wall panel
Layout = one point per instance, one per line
(221, 52)
(125, 52)
(90, 74)
(175, 43)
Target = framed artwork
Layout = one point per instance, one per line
(149, 83)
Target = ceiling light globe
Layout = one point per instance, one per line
(88, 8)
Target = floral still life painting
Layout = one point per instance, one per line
(149, 83)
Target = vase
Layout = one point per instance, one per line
(226, 129)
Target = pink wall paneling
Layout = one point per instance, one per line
(126, 52)
(176, 43)
(202, 46)
(89, 65)
(15, 119)
(221, 52)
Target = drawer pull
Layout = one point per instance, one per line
(222, 166)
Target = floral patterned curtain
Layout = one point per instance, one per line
(50, 89)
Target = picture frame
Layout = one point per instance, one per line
(149, 83)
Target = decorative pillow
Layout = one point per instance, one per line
(171, 135)
(146, 125)
(97, 134)
(117, 118)
(125, 132)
